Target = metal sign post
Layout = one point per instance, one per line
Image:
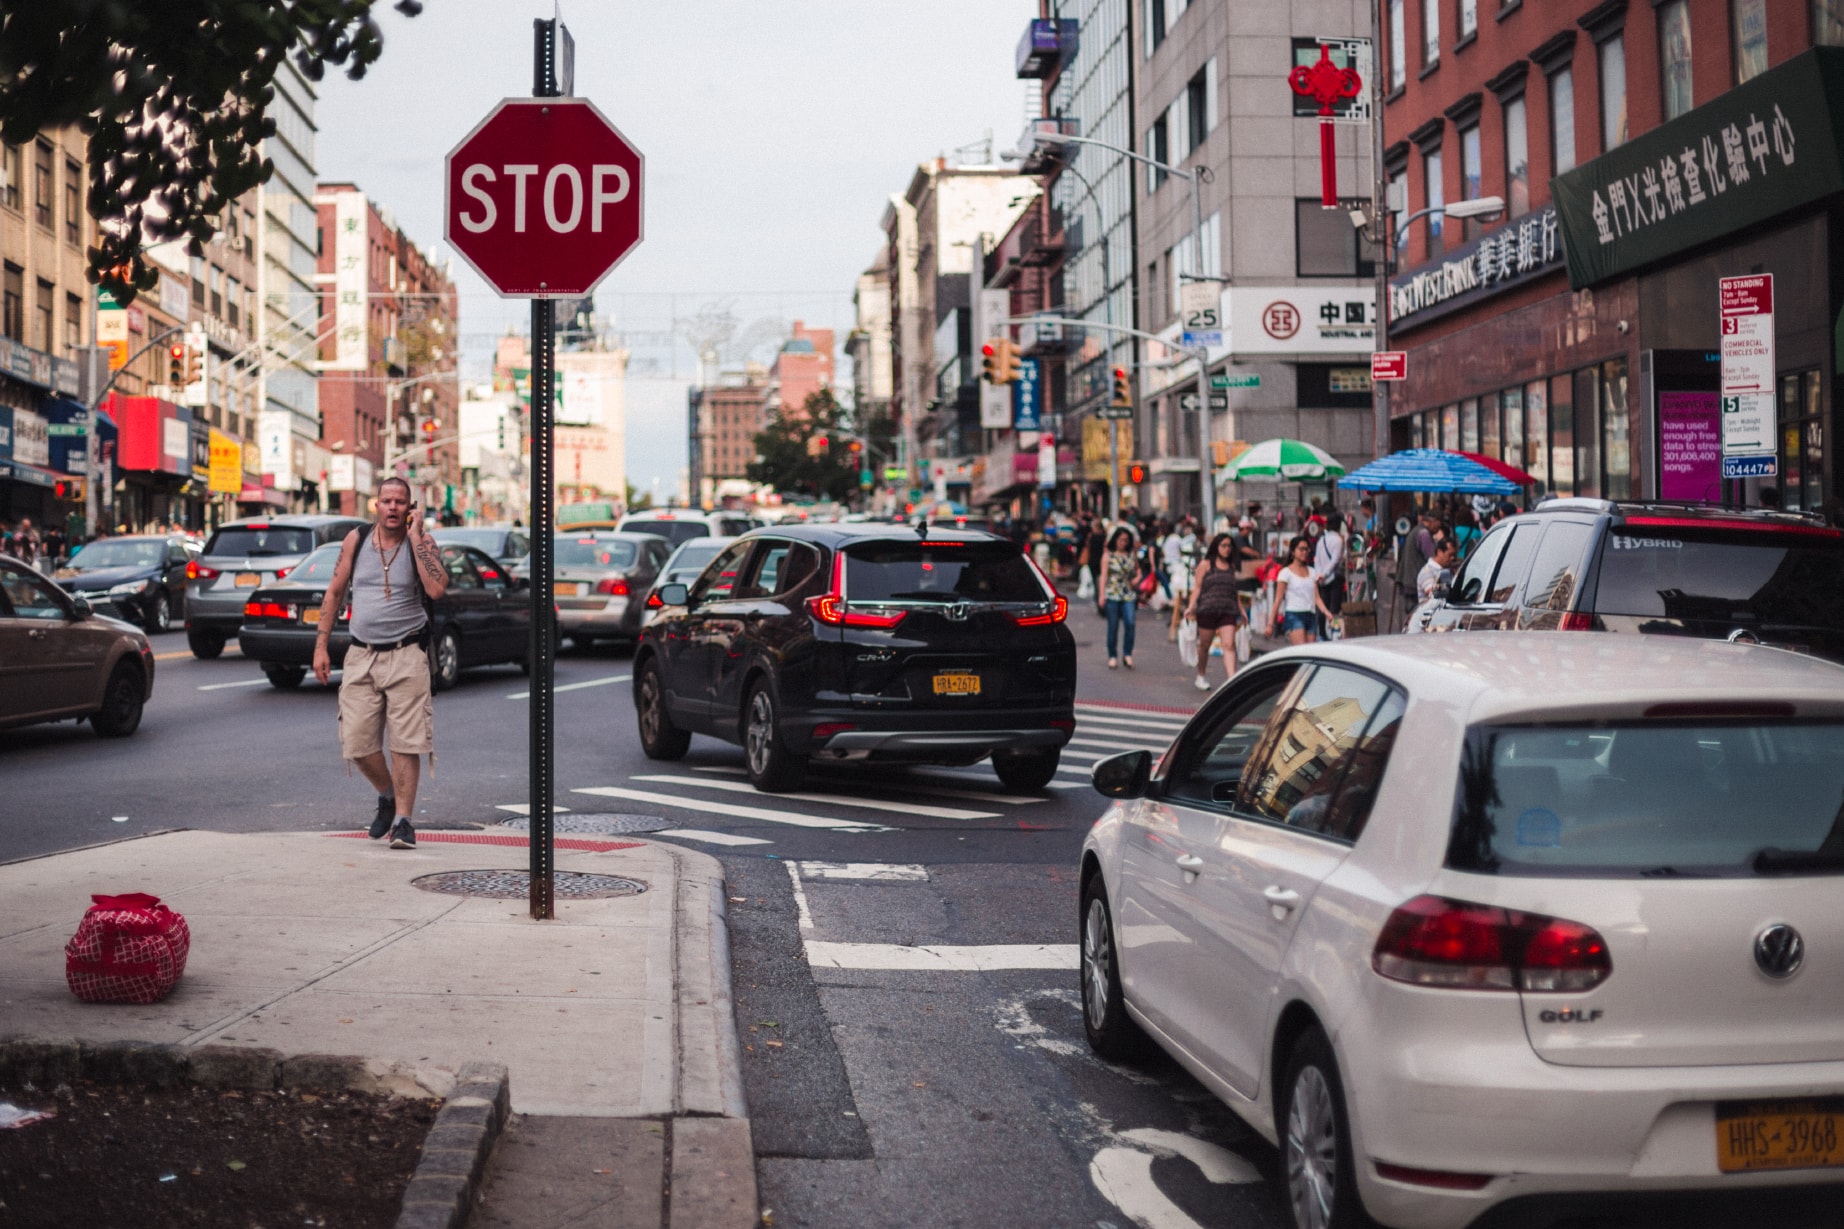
(543, 739)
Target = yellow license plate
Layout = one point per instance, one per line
(957, 684)
(569, 589)
(1757, 1135)
(249, 580)
(311, 615)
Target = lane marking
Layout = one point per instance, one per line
(714, 838)
(1110, 744)
(229, 648)
(907, 786)
(526, 695)
(800, 897)
(1152, 710)
(238, 683)
(1133, 722)
(839, 800)
(524, 808)
(792, 818)
(876, 872)
(939, 958)
(1124, 1177)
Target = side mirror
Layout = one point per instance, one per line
(674, 594)
(1124, 775)
(81, 607)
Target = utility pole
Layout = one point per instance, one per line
(1384, 242)
(543, 723)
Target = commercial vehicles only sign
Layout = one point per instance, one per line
(1747, 314)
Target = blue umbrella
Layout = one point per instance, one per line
(1427, 469)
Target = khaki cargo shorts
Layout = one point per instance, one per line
(384, 700)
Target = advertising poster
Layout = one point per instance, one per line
(1689, 447)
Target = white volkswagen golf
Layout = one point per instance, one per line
(1490, 929)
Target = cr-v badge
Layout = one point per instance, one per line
(1779, 951)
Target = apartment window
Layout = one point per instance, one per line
(1327, 245)
(1562, 121)
(1155, 25)
(1430, 33)
(217, 291)
(1674, 56)
(41, 184)
(1828, 22)
(233, 299)
(1613, 91)
(1517, 158)
(73, 204)
(1432, 186)
(1749, 18)
(13, 303)
(1398, 67)
(1159, 150)
(10, 172)
(1469, 18)
(1399, 194)
(42, 334)
(1471, 177)
(198, 281)
(1201, 104)
(73, 323)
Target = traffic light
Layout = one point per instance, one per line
(194, 366)
(1123, 391)
(1219, 453)
(69, 489)
(1136, 473)
(176, 365)
(857, 448)
(429, 428)
(999, 362)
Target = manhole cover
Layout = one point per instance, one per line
(516, 885)
(593, 822)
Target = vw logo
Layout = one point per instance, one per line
(1779, 951)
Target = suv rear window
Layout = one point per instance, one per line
(1751, 577)
(1655, 799)
(249, 540)
(926, 572)
(674, 532)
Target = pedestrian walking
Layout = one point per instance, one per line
(393, 569)
(28, 548)
(1181, 560)
(1329, 562)
(1120, 568)
(1439, 568)
(1215, 602)
(1298, 598)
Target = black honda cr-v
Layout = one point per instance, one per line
(879, 643)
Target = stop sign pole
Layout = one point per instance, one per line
(543, 199)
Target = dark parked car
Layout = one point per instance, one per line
(140, 579)
(1772, 578)
(60, 660)
(853, 643)
(505, 543)
(483, 619)
(239, 558)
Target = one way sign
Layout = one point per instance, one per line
(1218, 401)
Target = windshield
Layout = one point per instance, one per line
(692, 558)
(251, 540)
(488, 540)
(573, 552)
(674, 532)
(317, 566)
(1649, 799)
(1750, 578)
(924, 572)
(121, 554)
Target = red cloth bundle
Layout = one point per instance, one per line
(127, 949)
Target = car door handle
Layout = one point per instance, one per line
(37, 633)
(1190, 862)
(1279, 897)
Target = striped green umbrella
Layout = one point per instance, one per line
(1292, 460)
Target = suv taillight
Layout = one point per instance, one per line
(1059, 610)
(197, 571)
(831, 609)
(614, 586)
(1451, 944)
(1577, 621)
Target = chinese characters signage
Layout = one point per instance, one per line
(1300, 319)
(1529, 247)
(1758, 150)
(351, 338)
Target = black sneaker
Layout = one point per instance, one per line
(403, 836)
(381, 823)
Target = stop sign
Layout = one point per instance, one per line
(543, 197)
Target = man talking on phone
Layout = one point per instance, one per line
(393, 570)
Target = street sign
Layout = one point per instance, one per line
(1201, 305)
(1235, 379)
(1218, 401)
(1746, 305)
(1027, 397)
(544, 197)
(895, 473)
(1116, 411)
(1389, 365)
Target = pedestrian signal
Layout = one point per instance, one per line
(1136, 472)
(69, 489)
(1123, 391)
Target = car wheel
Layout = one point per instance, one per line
(204, 645)
(284, 678)
(1111, 1032)
(772, 767)
(1025, 772)
(445, 660)
(659, 738)
(1316, 1158)
(122, 701)
(159, 615)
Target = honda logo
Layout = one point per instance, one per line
(959, 611)
(1779, 951)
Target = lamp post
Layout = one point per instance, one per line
(1195, 176)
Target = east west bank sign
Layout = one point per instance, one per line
(1525, 248)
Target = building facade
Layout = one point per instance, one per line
(1645, 152)
(725, 417)
(287, 242)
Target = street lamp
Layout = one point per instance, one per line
(1477, 207)
(1195, 176)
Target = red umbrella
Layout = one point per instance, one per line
(1498, 467)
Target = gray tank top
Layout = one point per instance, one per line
(375, 620)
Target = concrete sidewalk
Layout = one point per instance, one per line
(320, 943)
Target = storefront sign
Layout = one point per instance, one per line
(1028, 396)
(1045, 470)
(226, 476)
(1755, 151)
(1689, 448)
(6, 432)
(111, 325)
(351, 338)
(31, 439)
(340, 472)
(1513, 254)
(1389, 365)
(1299, 319)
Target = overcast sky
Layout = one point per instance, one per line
(773, 130)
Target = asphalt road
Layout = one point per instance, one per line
(886, 1087)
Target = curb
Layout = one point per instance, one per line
(710, 1050)
(455, 1151)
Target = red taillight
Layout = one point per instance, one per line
(1059, 610)
(265, 610)
(827, 729)
(1436, 942)
(252, 610)
(1577, 621)
(195, 571)
(1440, 1178)
(614, 586)
(654, 602)
(281, 572)
(1703, 522)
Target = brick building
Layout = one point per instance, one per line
(725, 417)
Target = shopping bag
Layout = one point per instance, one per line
(1085, 588)
(1245, 643)
(1187, 642)
(128, 949)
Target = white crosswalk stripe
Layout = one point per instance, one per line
(713, 838)
(841, 800)
(908, 785)
(1095, 721)
(1115, 744)
(765, 814)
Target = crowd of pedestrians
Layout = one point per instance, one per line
(48, 547)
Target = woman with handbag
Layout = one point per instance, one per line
(1297, 599)
(1216, 606)
(1120, 599)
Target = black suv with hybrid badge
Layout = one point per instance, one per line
(859, 642)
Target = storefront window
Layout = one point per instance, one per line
(1750, 38)
(1586, 438)
(1512, 399)
(1469, 425)
(1616, 452)
(1674, 56)
(1562, 121)
(1802, 442)
(1536, 434)
(1489, 438)
(1828, 22)
(1450, 427)
(1613, 92)
(1792, 437)
(1517, 159)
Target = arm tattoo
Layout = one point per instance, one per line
(430, 561)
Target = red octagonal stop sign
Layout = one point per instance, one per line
(543, 197)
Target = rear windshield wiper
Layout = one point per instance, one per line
(1772, 861)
